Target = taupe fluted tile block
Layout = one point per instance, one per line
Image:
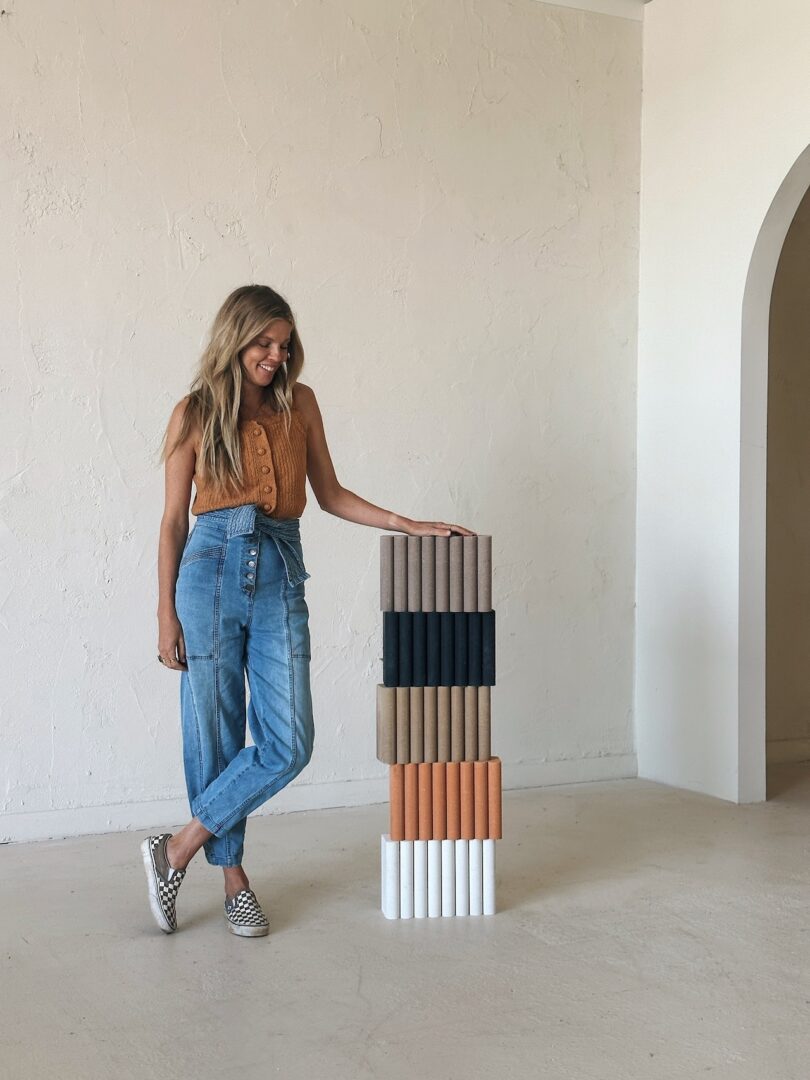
(443, 721)
(433, 723)
(403, 725)
(428, 573)
(414, 573)
(386, 724)
(456, 723)
(470, 723)
(456, 573)
(386, 573)
(484, 722)
(436, 573)
(417, 724)
(400, 572)
(470, 569)
(431, 717)
(484, 573)
(442, 573)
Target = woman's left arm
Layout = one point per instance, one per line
(338, 500)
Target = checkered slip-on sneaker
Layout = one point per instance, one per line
(244, 915)
(163, 881)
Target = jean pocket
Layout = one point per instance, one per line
(204, 542)
(190, 555)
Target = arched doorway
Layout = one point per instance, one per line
(787, 598)
(753, 478)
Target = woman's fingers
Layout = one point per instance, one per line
(455, 528)
(440, 528)
(180, 650)
(174, 655)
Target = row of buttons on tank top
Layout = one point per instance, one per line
(265, 469)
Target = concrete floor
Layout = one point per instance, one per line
(643, 932)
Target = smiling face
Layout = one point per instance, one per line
(266, 353)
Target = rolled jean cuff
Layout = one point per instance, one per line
(212, 860)
(207, 822)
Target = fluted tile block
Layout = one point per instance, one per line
(432, 879)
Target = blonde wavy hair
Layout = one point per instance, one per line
(216, 389)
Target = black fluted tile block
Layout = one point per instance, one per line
(488, 648)
(390, 648)
(433, 674)
(446, 648)
(405, 648)
(460, 645)
(448, 656)
(475, 671)
(419, 666)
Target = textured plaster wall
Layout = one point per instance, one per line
(788, 597)
(448, 195)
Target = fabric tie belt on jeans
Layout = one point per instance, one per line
(242, 520)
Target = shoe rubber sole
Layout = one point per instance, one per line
(246, 931)
(154, 899)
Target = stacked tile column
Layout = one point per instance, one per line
(434, 726)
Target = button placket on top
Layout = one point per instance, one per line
(266, 486)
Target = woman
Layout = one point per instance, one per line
(231, 593)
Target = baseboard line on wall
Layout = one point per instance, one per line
(67, 822)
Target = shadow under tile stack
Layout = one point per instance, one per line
(434, 726)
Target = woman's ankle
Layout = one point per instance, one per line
(178, 860)
(183, 845)
(235, 879)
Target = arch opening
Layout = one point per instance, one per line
(753, 478)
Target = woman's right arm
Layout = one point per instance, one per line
(173, 535)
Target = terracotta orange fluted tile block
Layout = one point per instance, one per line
(425, 777)
(439, 800)
(494, 798)
(453, 784)
(396, 791)
(411, 802)
(467, 785)
(480, 770)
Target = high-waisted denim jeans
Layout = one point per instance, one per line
(240, 601)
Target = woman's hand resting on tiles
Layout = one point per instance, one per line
(433, 528)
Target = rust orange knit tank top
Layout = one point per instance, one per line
(274, 469)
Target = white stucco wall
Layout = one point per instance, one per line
(726, 87)
(448, 196)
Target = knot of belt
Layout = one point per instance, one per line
(285, 532)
